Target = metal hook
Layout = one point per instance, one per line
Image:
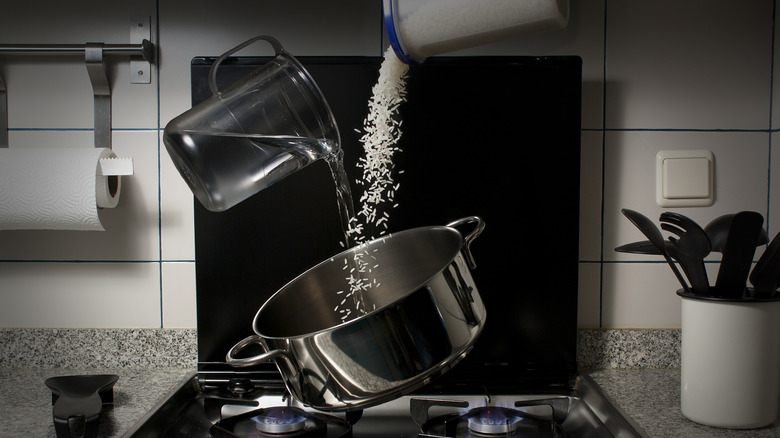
(93, 56)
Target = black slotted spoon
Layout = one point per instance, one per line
(690, 247)
(651, 231)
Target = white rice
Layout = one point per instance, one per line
(381, 132)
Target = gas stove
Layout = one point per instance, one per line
(481, 136)
(242, 408)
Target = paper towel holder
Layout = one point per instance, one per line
(101, 91)
(94, 59)
(108, 166)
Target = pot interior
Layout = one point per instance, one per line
(358, 281)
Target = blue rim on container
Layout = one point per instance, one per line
(392, 34)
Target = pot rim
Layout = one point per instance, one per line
(344, 253)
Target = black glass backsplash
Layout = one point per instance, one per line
(497, 137)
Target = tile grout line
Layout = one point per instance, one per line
(603, 165)
(771, 112)
(159, 170)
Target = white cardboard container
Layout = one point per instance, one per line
(418, 29)
(730, 373)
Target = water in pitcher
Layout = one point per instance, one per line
(230, 167)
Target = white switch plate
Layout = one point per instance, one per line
(685, 178)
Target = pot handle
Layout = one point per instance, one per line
(268, 356)
(213, 70)
(480, 225)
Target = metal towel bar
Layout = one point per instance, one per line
(94, 58)
(144, 49)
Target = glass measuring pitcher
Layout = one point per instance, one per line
(254, 133)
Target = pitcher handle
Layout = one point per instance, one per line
(480, 225)
(213, 71)
(268, 356)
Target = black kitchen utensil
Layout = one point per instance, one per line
(690, 247)
(651, 231)
(642, 247)
(765, 276)
(718, 232)
(744, 232)
(80, 397)
(647, 247)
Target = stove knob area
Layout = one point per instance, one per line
(239, 386)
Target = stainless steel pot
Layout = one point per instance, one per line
(421, 315)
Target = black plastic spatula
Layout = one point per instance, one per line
(653, 233)
(744, 232)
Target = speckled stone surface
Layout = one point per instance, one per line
(154, 348)
(651, 398)
(650, 348)
(637, 369)
(118, 348)
(26, 409)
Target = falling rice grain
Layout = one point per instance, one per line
(380, 135)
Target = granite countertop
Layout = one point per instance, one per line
(638, 370)
(25, 401)
(649, 397)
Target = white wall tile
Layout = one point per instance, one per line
(177, 226)
(773, 225)
(80, 295)
(55, 91)
(776, 80)
(304, 27)
(682, 64)
(131, 227)
(590, 195)
(589, 296)
(740, 178)
(178, 298)
(640, 295)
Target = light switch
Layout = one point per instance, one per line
(684, 178)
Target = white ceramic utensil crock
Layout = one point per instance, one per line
(730, 361)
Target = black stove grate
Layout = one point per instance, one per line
(199, 409)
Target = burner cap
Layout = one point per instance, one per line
(282, 422)
(279, 420)
(493, 420)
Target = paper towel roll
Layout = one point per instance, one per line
(54, 189)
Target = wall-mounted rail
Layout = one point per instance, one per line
(144, 49)
(93, 55)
